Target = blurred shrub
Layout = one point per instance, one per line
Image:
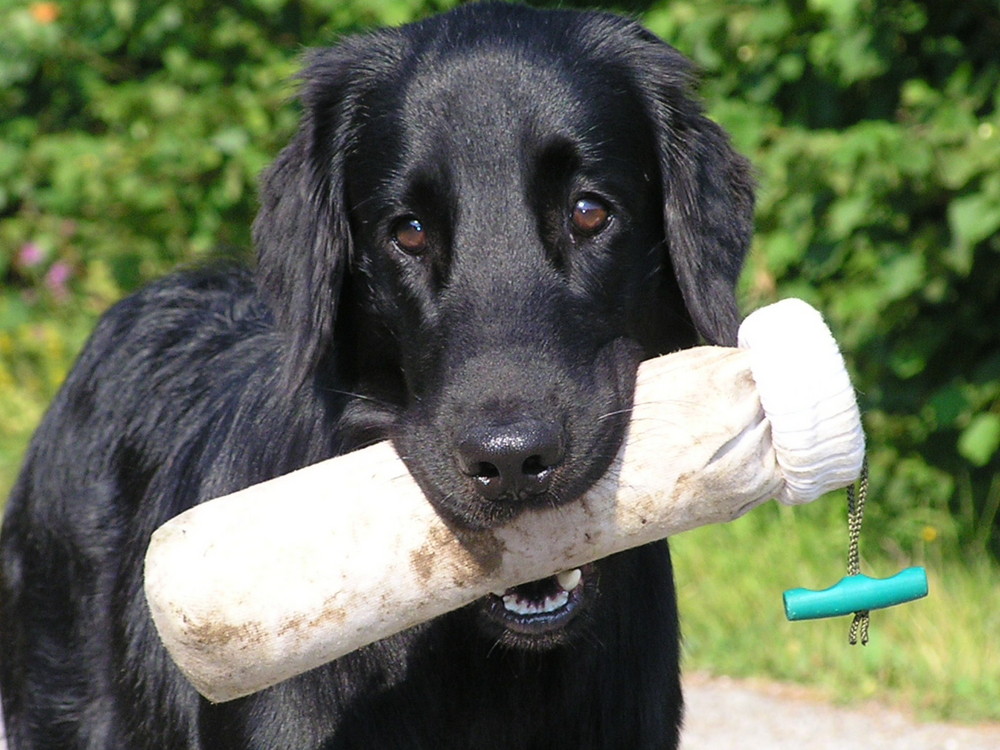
(131, 136)
(875, 130)
(132, 132)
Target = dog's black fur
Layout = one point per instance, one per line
(485, 222)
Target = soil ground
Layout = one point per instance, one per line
(752, 715)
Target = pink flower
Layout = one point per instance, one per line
(31, 255)
(57, 278)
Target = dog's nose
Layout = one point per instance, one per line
(512, 462)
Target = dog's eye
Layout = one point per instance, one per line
(590, 216)
(410, 236)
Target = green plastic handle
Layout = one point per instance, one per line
(856, 594)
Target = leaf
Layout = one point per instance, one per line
(781, 250)
(979, 442)
(902, 276)
(973, 218)
(848, 214)
(948, 404)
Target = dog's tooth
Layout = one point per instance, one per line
(552, 603)
(512, 603)
(569, 579)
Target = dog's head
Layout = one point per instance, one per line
(487, 220)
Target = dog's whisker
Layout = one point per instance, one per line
(618, 413)
(494, 646)
(359, 396)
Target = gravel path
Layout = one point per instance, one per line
(724, 714)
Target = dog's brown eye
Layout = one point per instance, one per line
(590, 216)
(410, 236)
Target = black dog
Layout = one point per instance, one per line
(485, 222)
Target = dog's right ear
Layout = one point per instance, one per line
(302, 230)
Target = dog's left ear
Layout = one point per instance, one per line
(708, 194)
(302, 230)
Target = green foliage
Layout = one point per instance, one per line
(131, 136)
(875, 130)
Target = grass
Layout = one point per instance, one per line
(938, 656)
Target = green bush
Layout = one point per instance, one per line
(875, 130)
(131, 139)
(133, 132)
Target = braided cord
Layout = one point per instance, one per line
(855, 515)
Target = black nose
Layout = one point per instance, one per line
(512, 462)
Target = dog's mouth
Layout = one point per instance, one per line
(540, 608)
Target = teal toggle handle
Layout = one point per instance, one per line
(856, 594)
